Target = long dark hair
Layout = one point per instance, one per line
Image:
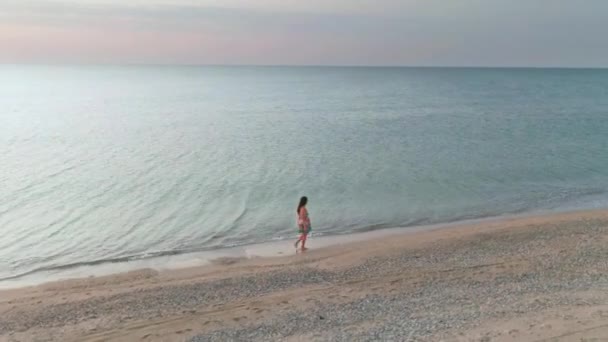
(303, 202)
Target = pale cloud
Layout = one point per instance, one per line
(417, 32)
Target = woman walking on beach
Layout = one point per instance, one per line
(303, 223)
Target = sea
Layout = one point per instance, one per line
(109, 164)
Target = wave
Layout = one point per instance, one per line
(565, 203)
(123, 259)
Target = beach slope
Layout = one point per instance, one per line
(541, 278)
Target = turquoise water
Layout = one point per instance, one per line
(115, 163)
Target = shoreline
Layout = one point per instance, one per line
(268, 249)
(512, 279)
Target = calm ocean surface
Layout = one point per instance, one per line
(117, 163)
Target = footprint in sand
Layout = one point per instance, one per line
(514, 332)
(601, 313)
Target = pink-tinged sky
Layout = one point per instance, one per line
(328, 32)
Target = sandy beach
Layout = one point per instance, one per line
(542, 278)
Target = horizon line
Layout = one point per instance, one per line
(303, 65)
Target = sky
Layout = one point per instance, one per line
(549, 33)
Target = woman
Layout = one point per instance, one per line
(303, 223)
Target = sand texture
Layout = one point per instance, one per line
(541, 278)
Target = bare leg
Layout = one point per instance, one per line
(303, 239)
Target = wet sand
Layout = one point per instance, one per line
(540, 278)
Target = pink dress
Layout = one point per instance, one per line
(303, 221)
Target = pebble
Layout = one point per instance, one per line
(442, 305)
